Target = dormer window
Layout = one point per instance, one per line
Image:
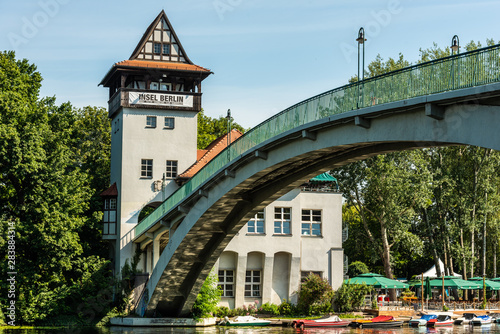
(157, 48)
(166, 49)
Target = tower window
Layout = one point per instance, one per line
(164, 86)
(171, 171)
(109, 216)
(166, 49)
(169, 122)
(151, 121)
(157, 48)
(147, 168)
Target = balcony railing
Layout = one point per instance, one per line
(122, 98)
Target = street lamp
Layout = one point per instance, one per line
(361, 40)
(455, 45)
(228, 117)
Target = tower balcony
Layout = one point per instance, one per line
(154, 99)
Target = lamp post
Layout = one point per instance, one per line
(361, 40)
(455, 45)
(455, 48)
(228, 117)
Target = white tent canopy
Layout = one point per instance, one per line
(432, 273)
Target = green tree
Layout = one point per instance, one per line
(210, 129)
(207, 300)
(385, 191)
(45, 192)
(459, 208)
(357, 268)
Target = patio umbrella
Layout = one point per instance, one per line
(377, 281)
(454, 283)
(490, 285)
(427, 288)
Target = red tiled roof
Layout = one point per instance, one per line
(200, 154)
(111, 191)
(162, 65)
(210, 152)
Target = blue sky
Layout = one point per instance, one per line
(266, 55)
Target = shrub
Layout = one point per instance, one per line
(287, 308)
(208, 298)
(269, 308)
(315, 295)
(350, 297)
(224, 311)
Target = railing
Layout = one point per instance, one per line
(121, 99)
(470, 69)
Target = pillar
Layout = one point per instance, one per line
(294, 279)
(267, 279)
(239, 289)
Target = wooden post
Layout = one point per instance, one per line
(442, 294)
(423, 291)
(484, 292)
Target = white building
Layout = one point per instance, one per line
(296, 235)
(155, 97)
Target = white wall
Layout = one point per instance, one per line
(134, 142)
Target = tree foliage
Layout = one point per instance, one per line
(48, 157)
(414, 208)
(207, 300)
(210, 128)
(357, 268)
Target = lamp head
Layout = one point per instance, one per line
(361, 36)
(455, 44)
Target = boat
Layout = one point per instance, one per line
(481, 320)
(441, 320)
(465, 319)
(422, 321)
(495, 317)
(382, 321)
(333, 321)
(247, 320)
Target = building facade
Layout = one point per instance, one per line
(154, 99)
(297, 235)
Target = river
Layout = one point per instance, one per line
(494, 328)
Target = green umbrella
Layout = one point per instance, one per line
(427, 288)
(490, 285)
(377, 281)
(454, 283)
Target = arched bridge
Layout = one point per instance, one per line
(449, 101)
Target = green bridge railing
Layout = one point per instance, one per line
(470, 69)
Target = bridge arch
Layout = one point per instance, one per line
(204, 223)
